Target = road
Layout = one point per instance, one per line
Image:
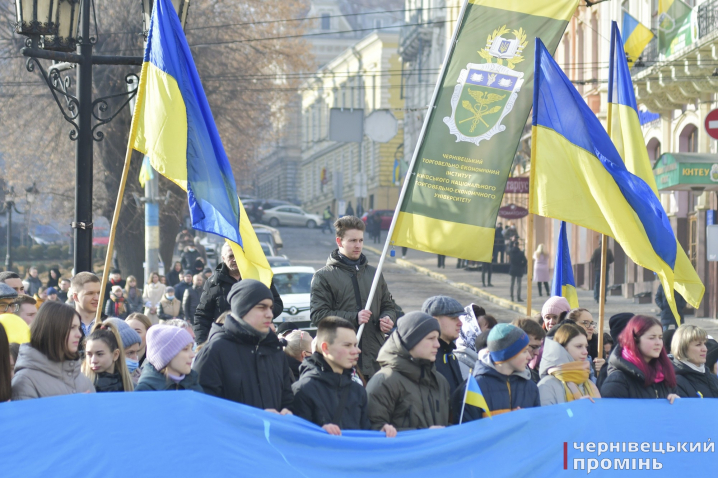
(310, 247)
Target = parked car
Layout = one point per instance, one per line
(290, 216)
(294, 285)
(278, 261)
(385, 214)
(255, 207)
(268, 249)
(278, 244)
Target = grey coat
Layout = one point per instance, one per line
(36, 376)
(550, 388)
(467, 360)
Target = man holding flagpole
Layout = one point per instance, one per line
(341, 289)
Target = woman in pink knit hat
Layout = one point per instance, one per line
(169, 361)
(552, 312)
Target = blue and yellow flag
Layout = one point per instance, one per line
(474, 396)
(638, 36)
(578, 176)
(146, 171)
(563, 283)
(173, 125)
(626, 134)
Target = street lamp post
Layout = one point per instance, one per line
(52, 30)
(8, 207)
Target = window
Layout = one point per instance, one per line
(326, 21)
(688, 140)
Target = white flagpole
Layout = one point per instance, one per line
(466, 392)
(405, 186)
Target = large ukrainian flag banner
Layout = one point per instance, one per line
(459, 169)
(173, 125)
(578, 176)
(564, 284)
(625, 131)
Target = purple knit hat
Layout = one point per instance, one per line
(164, 342)
(555, 305)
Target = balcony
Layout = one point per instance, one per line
(667, 83)
(414, 36)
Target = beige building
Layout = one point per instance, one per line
(362, 77)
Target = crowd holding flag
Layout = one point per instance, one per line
(637, 35)
(473, 396)
(625, 132)
(173, 125)
(563, 282)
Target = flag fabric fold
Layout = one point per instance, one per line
(474, 396)
(578, 175)
(564, 284)
(174, 126)
(637, 35)
(626, 134)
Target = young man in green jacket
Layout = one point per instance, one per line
(341, 289)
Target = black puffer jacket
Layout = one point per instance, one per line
(517, 262)
(625, 380)
(318, 392)
(109, 382)
(236, 365)
(213, 301)
(690, 382)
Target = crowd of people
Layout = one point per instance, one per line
(407, 371)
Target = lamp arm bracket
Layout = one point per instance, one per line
(101, 106)
(61, 86)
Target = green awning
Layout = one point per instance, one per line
(686, 171)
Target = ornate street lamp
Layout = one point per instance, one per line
(59, 30)
(181, 7)
(8, 206)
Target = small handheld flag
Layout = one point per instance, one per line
(474, 397)
(563, 282)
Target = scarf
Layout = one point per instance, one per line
(348, 261)
(176, 378)
(631, 357)
(251, 330)
(119, 304)
(701, 368)
(573, 374)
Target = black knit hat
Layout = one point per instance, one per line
(617, 323)
(245, 294)
(414, 326)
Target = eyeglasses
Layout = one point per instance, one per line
(588, 325)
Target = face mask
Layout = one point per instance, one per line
(170, 297)
(131, 365)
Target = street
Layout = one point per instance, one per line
(311, 247)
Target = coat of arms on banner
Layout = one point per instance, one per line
(486, 93)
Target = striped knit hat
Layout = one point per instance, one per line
(505, 342)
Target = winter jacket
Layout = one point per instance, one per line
(37, 376)
(188, 257)
(625, 380)
(152, 380)
(448, 365)
(407, 393)
(542, 273)
(333, 293)
(113, 309)
(551, 390)
(213, 301)
(32, 285)
(190, 301)
(667, 317)
(503, 393)
(109, 382)
(467, 360)
(180, 288)
(108, 288)
(690, 381)
(517, 262)
(153, 293)
(294, 366)
(236, 365)
(136, 303)
(318, 393)
(169, 309)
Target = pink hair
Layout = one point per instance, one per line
(629, 339)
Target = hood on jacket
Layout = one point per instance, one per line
(335, 261)
(617, 363)
(214, 329)
(221, 273)
(32, 359)
(469, 329)
(553, 355)
(486, 366)
(395, 356)
(315, 366)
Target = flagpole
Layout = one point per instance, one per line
(530, 238)
(118, 204)
(466, 392)
(405, 186)
(530, 266)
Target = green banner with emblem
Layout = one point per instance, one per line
(474, 126)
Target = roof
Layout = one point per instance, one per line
(686, 172)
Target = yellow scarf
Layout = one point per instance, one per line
(573, 374)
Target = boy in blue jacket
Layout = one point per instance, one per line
(502, 374)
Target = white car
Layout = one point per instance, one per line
(294, 285)
(290, 216)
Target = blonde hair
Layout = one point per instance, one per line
(141, 318)
(297, 342)
(108, 333)
(539, 251)
(682, 339)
